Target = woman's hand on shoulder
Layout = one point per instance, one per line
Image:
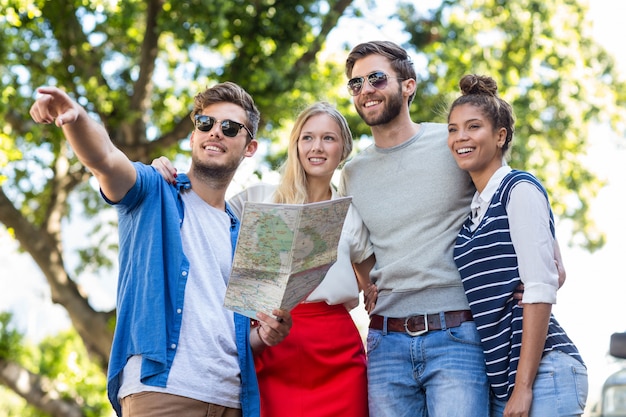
(165, 168)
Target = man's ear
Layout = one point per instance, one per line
(251, 148)
(408, 87)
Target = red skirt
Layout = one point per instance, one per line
(318, 370)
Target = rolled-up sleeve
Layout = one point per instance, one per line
(529, 221)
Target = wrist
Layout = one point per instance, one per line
(256, 339)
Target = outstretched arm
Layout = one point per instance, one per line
(89, 140)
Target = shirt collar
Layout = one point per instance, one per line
(480, 201)
(494, 183)
(182, 182)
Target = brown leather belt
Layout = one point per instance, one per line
(417, 325)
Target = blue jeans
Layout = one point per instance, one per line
(438, 374)
(559, 390)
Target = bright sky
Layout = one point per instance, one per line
(590, 305)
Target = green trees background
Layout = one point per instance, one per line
(136, 65)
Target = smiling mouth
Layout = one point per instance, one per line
(214, 148)
(462, 151)
(371, 103)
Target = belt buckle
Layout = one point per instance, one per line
(418, 333)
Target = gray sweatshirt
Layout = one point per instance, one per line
(413, 198)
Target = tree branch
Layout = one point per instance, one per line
(142, 89)
(45, 249)
(38, 391)
(329, 23)
(62, 183)
(133, 129)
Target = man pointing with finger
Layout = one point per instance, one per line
(176, 350)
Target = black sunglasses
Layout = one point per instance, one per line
(377, 79)
(230, 128)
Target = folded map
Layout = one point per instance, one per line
(283, 252)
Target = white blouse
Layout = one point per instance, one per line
(340, 285)
(530, 233)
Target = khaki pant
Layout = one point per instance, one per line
(156, 404)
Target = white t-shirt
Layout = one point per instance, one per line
(206, 365)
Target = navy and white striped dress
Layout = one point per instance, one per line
(488, 266)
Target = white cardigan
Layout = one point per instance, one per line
(339, 286)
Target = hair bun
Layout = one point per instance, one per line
(478, 84)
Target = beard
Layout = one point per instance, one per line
(215, 172)
(392, 109)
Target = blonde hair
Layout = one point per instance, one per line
(292, 188)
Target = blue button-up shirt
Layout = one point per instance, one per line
(151, 287)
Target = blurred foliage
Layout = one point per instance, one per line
(546, 65)
(62, 361)
(10, 338)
